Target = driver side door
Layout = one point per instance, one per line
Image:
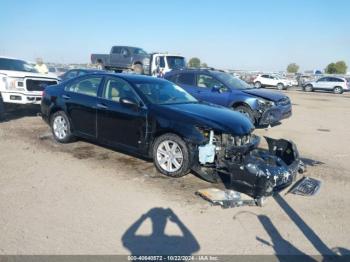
(120, 124)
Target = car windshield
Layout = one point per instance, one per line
(16, 65)
(231, 81)
(175, 62)
(163, 92)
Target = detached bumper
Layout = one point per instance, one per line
(264, 172)
(275, 114)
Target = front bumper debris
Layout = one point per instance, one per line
(262, 173)
(306, 186)
(274, 115)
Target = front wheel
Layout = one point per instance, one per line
(171, 155)
(280, 86)
(246, 111)
(308, 88)
(137, 68)
(61, 128)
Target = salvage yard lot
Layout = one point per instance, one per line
(81, 198)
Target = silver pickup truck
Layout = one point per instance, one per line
(123, 57)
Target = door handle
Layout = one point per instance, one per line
(65, 97)
(102, 106)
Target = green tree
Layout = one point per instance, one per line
(339, 67)
(204, 65)
(292, 68)
(194, 62)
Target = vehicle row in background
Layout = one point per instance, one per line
(262, 107)
(269, 80)
(337, 85)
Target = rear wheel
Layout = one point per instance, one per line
(171, 155)
(338, 90)
(61, 128)
(308, 88)
(246, 111)
(280, 86)
(257, 84)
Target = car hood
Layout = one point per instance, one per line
(266, 94)
(207, 116)
(21, 74)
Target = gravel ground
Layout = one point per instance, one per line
(81, 198)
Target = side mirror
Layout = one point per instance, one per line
(217, 88)
(129, 102)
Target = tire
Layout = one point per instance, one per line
(246, 111)
(61, 128)
(137, 68)
(308, 88)
(257, 84)
(280, 86)
(337, 90)
(165, 149)
(2, 109)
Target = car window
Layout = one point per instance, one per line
(125, 52)
(186, 79)
(206, 81)
(265, 76)
(139, 51)
(334, 79)
(323, 79)
(81, 73)
(116, 50)
(116, 88)
(87, 86)
(161, 61)
(71, 74)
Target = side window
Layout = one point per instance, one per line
(206, 81)
(81, 73)
(323, 79)
(161, 62)
(265, 76)
(186, 79)
(116, 88)
(333, 79)
(72, 74)
(116, 50)
(125, 52)
(87, 86)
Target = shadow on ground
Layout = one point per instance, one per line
(158, 243)
(13, 112)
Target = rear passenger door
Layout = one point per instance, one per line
(80, 98)
(322, 83)
(187, 81)
(115, 56)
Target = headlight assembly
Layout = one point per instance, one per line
(265, 103)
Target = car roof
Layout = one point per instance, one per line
(194, 70)
(131, 77)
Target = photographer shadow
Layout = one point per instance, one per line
(158, 243)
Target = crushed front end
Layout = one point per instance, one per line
(242, 166)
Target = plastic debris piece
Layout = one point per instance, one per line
(306, 186)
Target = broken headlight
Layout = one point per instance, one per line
(265, 103)
(239, 140)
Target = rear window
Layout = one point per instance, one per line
(186, 79)
(87, 86)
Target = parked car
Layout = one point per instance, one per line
(262, 107)
(21, 83)
(77, 72)
(265, 80)
(123, 57)
(58, 71)
(337, 85)
(157, 119)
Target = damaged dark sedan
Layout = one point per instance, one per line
(157, 119)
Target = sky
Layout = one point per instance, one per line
(228, 34)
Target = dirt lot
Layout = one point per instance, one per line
(81, 198)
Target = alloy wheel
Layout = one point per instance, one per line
(169, 156)
(60, 127)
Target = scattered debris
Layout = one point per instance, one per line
(306, 186)
(225, 198)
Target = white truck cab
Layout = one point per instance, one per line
(20, 82)
(162, 63)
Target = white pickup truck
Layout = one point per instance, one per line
(20, 83)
